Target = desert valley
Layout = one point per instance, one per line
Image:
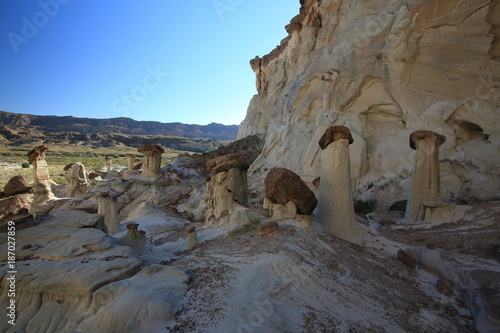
(360, 194)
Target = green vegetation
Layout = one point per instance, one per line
(250, 226)
(364, 207)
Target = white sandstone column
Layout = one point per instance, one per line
(335, 211)
(426, 183)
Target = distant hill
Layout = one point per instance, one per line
(116, 125)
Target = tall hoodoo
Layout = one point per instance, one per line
(426, 183)
(228, 187)
(108, 164)
(42, 190)
(335, 211)
(152, 161)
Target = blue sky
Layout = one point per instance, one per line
(161, 60)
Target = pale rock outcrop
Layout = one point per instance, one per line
(384, 69)
(145, 302)
(287, 190)
(77, 179)
(14, 207)
(42, 190)
(426, 183)
(80, 281)
(227, 189)
(16, 185)
(478, 286)
(106, 206)
(335, 212)
(152, 161)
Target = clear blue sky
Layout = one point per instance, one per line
(161, 60)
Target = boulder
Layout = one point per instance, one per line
(16, 185)
(227, 162)
(283, 185)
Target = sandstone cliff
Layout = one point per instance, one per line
(385, 69)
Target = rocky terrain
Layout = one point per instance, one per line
(362, 196)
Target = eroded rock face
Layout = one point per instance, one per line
(385, 69)
(283, 185)
(16, 185)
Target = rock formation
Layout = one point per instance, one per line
(335, 213)
(16, 185)
(426, 183)
(283, 186)
(107, 207)
(192, 238)
(384, 69)
(42, 190)
(131, 161)
(134, 238)
(77, 179)
(108, 164)
(152, 161)
(227, 189)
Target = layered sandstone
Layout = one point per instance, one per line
(385, 69)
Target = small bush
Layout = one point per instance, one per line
(25, 165)
(250, 226)
(364, 207)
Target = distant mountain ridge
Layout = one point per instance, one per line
(117, 125)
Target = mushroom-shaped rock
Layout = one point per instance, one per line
(426, 182)
(335, 211)
(417, 136)
(16, 185)
(227, 162)
(42, 190)
(335, 133)
(152, 161)
(283, 185)
(37, 153)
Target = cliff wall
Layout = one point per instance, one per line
(385, 69)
